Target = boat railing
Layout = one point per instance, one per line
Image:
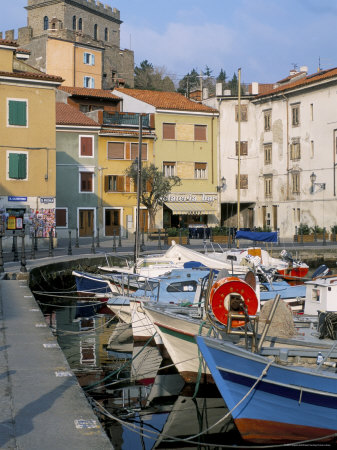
(123, 259)
(128, 284)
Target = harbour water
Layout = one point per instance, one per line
(140, 399)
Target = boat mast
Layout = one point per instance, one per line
(139, 190)
(239, 152)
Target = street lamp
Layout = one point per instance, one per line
(222, 185)
(313, 178)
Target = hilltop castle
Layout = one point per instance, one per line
(78, 40)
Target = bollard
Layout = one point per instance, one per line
(114, 249)
(35, 240)
(188, 237)
(93, 243)
(324, 236)
(23, 254)
(15, 244)
(165, 237)
(120, 238)
(77, 244)
(50, 253)
(97, 240)
(70, 252)
(159, 241)
(32, 252)
(142, 244)
(143, 232)
(180, 241)
(1, 256)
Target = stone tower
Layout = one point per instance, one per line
(85, 22)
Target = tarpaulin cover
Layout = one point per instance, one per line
(264, 236)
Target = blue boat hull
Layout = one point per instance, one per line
(287, 404)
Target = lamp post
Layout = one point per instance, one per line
(313, 178)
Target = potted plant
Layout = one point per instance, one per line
(318, 233)
(221, 235)
(303, 234)
(333, 234)
(179, 235)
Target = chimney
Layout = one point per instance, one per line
(304, 69)
(218, 89)
(204, 93)
(255, 88)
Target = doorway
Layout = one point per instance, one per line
(112, 222)
(86, 222)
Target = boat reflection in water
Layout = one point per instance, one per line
(140, 399)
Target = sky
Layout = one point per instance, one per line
(264, 38)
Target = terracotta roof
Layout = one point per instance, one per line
(8, 43)
(124, 131)
(33, 76)
(166, 100)
(305, 81)
(86, 92)
(68, 115)
(23, 50)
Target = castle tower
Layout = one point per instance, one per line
(63, 27)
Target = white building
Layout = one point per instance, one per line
(287, 153)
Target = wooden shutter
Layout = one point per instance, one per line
(17, 113)
(86, 181)
(127, 184)
(115, 150)
(243, 182)
(61, 217)
(106, 183)
(200, 166)
(22, 169)
(169, 130)
(243, 148)
(134, 151)
(120, 183)
(200, 132)
(86, 146)
(148, 186)
(17, 166)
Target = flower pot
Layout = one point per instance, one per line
(221, 239)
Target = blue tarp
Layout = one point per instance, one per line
(264, 236)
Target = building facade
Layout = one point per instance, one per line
(186, 146)
(287, 157)
(28, 146)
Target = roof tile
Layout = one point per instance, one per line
(166, 100)
(87, 92)
(68, 115)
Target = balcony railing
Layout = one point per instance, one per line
(127, 119)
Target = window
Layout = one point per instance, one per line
(17, 166)
(114, 183)
(200, 132)
(295, 150)
(106, 34)
(135, 151)
(45, 23)
(243, 181)
(89, 82)
(267, 120)
(74, 22)
(268, 186)
(295, 115)
(267, 153)
(295, 176)
(80, 24)
(243, 148)
(200, 170)
(86, 181)
(169, 130)
(116, 150)
(89, 58)
(17, 113)
(244, 113)
(95, 32)
(61, 217)
(86, 146)
(169, 169)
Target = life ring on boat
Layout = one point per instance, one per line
(227, 295)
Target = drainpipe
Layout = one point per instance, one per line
(334, 161)
(287, 106)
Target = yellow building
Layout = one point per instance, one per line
(118, 147)
(186, 146)
(28, 141)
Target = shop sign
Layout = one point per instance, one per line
(47, 199)
(12, 198)
(190, 198)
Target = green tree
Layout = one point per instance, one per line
(221, 78)
(189, 82)
(152, 78)
(155, 187)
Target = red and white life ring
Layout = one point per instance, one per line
(226, 294)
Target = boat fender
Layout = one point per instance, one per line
(230, 294)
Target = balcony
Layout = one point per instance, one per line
(125, 119)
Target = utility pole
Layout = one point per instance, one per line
(139, 189)
(239, 150)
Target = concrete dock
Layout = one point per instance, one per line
(42, 404)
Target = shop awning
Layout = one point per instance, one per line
(195, 208)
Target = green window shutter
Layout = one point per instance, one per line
(17, 113)
(22, 166)
(13, 165)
